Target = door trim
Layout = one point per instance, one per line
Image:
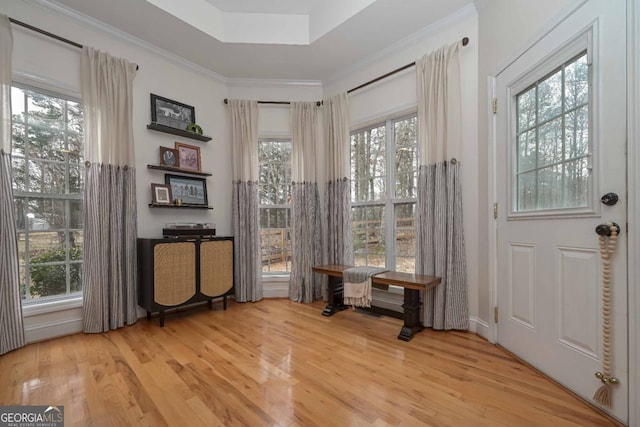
(633, 175)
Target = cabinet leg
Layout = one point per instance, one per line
(224, 302)
(210, 303)
(161, 318)
(148, 315)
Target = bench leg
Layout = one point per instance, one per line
(411, 306)
(335, 297)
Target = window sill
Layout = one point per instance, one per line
(35, 309)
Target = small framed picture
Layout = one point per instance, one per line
(170, 113)
(190, 190)
(161, 194)
(169, 157)
(188, 157)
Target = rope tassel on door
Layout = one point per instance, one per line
(608, 231)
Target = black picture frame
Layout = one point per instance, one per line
(190, 191)
(173, 114)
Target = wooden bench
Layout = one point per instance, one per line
(412, 284)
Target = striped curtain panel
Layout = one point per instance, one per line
(109, 269)
(305, 285)
(339, 247)
(245, 211)
(11, 327)
(440, 249)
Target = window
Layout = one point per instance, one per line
(274, 156)
(384, 168)
(48, 174)
(553, 147)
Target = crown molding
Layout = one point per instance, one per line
(112, 31)
(261, 83)
(405, 43)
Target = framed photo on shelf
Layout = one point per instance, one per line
(170, 113)
(161, 194)
(169, 157)
(191, 191)
(188, 157)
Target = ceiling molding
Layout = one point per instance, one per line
(112, 31)
(405, 43)
(242, 82)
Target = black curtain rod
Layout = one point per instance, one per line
(318, 103)
(48, 34)
(465, 41)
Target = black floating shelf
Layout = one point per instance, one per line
(184, 171)
(178, 132)
(183, 206)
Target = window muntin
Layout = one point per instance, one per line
(274, 194)
(384, 167)
(48, 182)
(553, 146)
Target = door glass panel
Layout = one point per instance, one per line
(552, 140)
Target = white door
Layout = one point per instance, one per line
(560, 146)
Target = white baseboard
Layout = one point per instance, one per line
(479, 327)
(48, 330)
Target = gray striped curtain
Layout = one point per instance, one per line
(109, 268)
(339, 247)
(245, 210)
(305, 285)
(440, 249)
(11, 327)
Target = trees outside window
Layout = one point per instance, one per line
(274, 194)
(553, 148)
(48, 174)
(384, 169)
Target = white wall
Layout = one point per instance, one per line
(397, 94)
(505, 27)
(39, 59)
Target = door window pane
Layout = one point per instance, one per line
(552, 142)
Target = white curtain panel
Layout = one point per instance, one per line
(11, 326)
(440, 248)
(305, 285)
(109, 269)
(339, 247)
(245, 211)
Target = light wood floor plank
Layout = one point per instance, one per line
(279, 363)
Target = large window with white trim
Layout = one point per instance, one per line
(384, 169)
(48, 174)
(274, 157)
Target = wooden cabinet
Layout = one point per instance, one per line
(174, 272)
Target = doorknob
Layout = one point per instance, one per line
(609, 199)
(605, 229)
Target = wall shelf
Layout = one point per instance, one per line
(156, 205)
(179, 170)
(178, 132)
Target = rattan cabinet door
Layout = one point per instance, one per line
(216, 267)
(174, 266)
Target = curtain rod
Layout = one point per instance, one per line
(48, 34)
(318, 103)
(465, 41)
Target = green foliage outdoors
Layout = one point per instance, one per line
(47, 280)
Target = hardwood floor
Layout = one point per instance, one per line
(281, 363)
